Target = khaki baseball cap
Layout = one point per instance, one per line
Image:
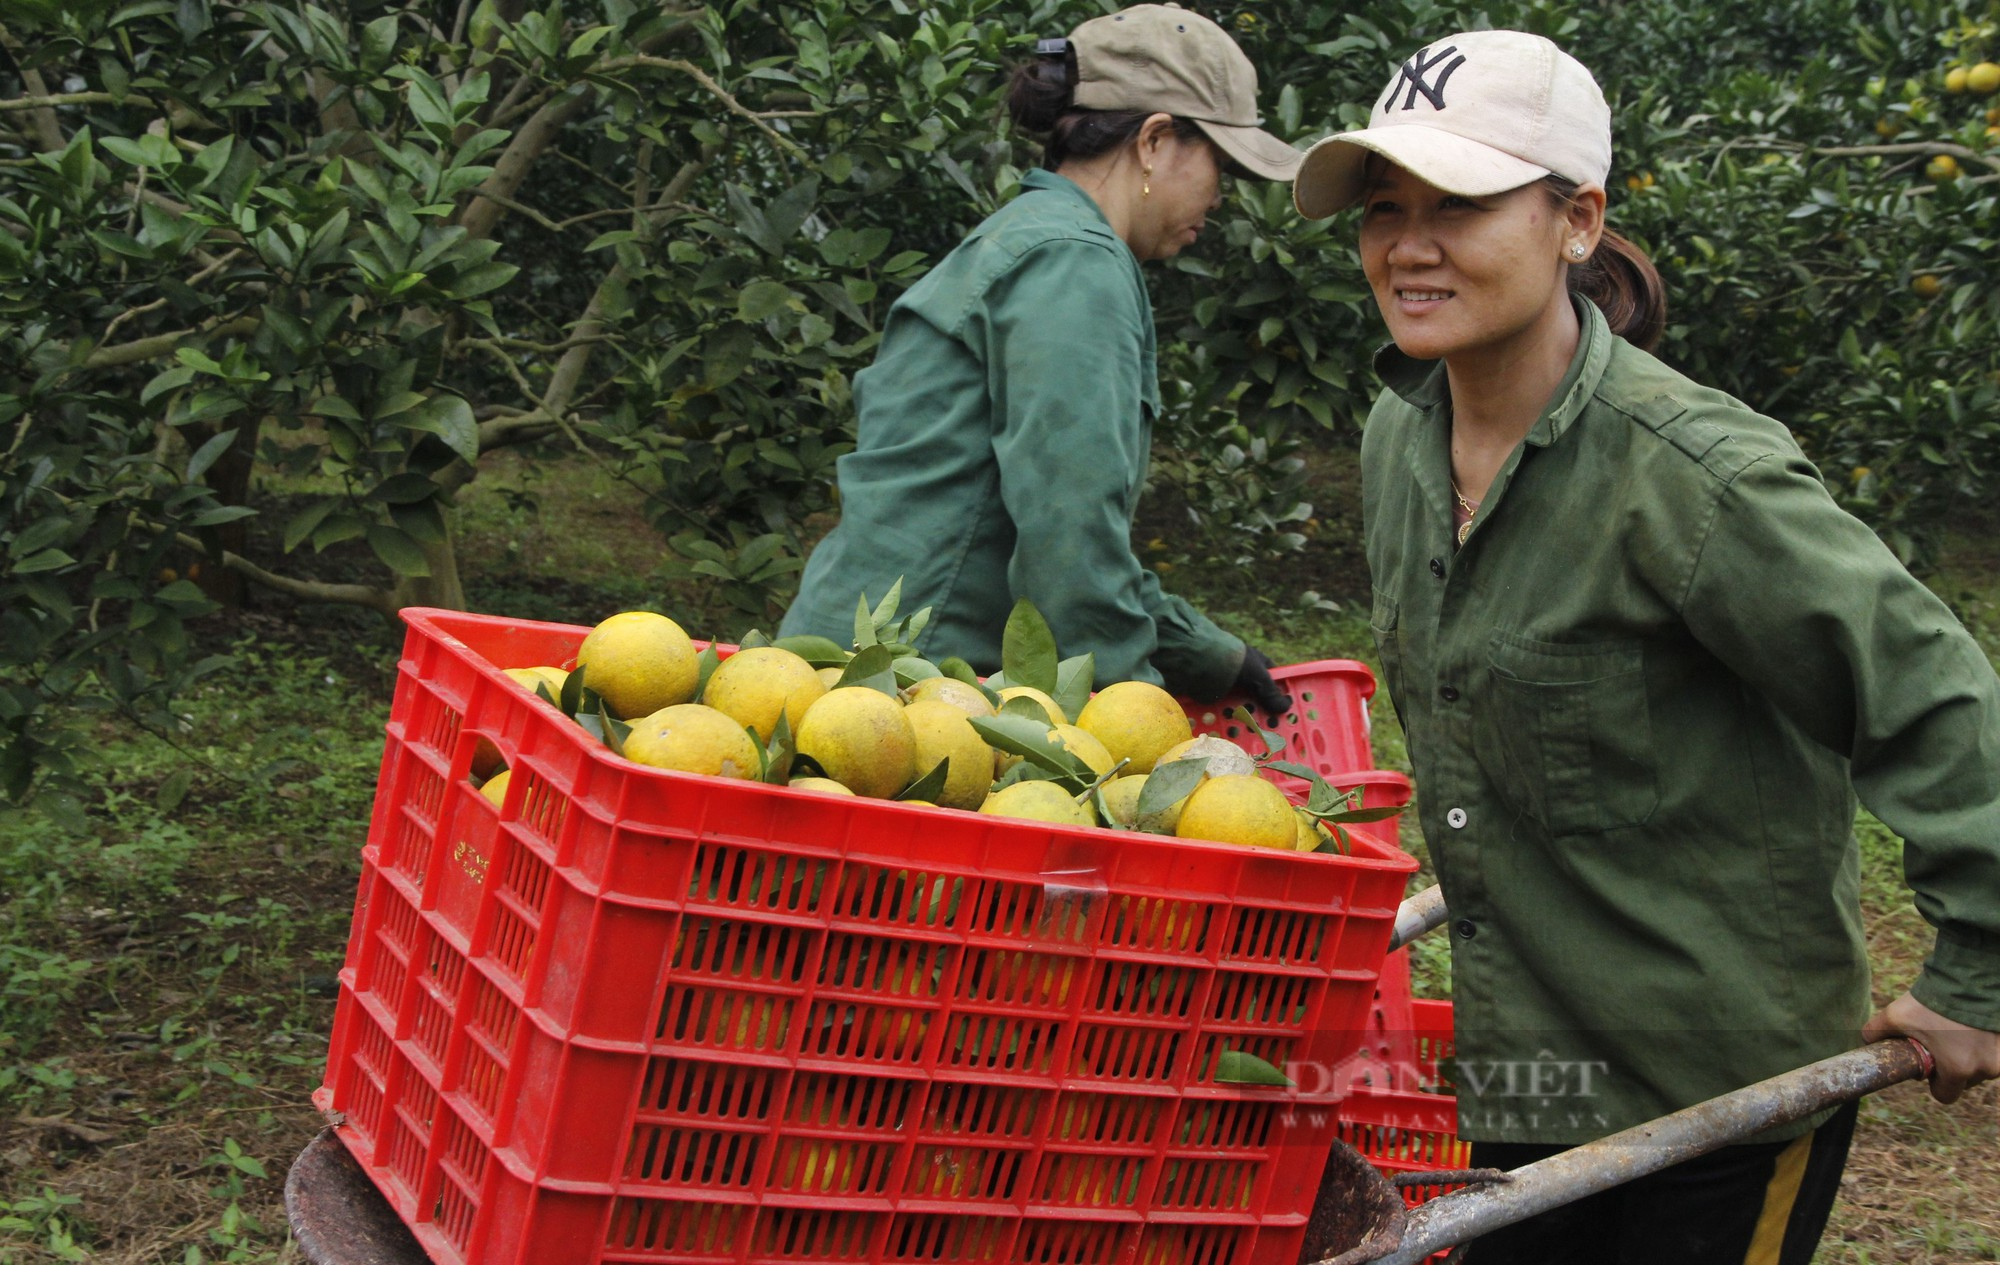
(1476, 114)
(1161, 57)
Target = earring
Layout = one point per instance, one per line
(1577, 252)
(1146, 184)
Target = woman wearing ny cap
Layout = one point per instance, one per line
(1645, 665)
(1005, 425)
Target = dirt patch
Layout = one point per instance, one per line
(1205, 558)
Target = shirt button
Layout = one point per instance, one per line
(1455, 819)
(1437, 567)
(1466, 928)
(1448, 693)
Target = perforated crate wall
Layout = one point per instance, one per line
(633, 1015)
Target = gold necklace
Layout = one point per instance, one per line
(1469, 508)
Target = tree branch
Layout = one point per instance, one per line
(715, 90)
(481, 215)
(160, 344)
(50, 100)
(43, 119)
(380, 600)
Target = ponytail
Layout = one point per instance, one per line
(1621, 281)
(1041, 98)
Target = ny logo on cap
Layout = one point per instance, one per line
(1417, 73)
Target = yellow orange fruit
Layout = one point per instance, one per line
(944, 732)
(1983, 79)
(529, 678)
(1954, 79)
(495, 787)
(754, 687)
(944, 689)
(1136, 721)
(1942, 168)
(1121, 800)
(1926, 285)
(1239, 808)
(638, 663)
(1084, 745)
(1038, 801)
(693, 738)
(1311, 831)
(861, 739)
(824, 785)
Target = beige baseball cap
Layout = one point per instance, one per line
(1477, 113)
(1166, 58)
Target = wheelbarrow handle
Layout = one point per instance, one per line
(1417, 915)
(1464, 1215)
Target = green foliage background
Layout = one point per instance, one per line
(359, 248)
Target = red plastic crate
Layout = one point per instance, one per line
(637, 1015)
(1327, 727)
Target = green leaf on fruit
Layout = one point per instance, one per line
(1234, 1067)
(872, 666)
(704, 667)
(1028, 648)
(928, 786)
(1074, 677)
(821, 652)
(1169, 784)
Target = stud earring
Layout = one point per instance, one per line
(1577, 252)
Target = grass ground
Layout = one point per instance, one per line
(166, 979)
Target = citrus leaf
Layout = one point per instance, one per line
(1296, 770)
(1074, 676)
(615, 730)
(959, 670)
(704, 666)
(777, 755)
(926, 788)
(1169, 784)
(571, 701)
(1360, 815)
(1028, 737)
(1234, 1067)
(1274, 742)
(753, 640)
(821, 652)
(206, 455)
(864, 626)
(910, 669)
(874, 667)
(395, 548)
(1028, 648)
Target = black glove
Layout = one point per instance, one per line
(1254, 679)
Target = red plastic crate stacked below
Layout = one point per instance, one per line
(1399, 1111)
(635, 1015)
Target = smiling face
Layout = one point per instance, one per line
(1186, 185)
(1459, 277)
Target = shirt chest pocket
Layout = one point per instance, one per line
(1574, 733)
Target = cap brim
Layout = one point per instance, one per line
(1332, 172)
(1256, 151)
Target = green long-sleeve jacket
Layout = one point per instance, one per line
(1001, 446)
(1640, 701)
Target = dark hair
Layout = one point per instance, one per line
(1041, 99)
(1619, 279)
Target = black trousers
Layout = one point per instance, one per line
(1764, 1204)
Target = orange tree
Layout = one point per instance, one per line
(366, 245)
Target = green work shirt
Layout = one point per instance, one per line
(1001, 445)
(1640, 701)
